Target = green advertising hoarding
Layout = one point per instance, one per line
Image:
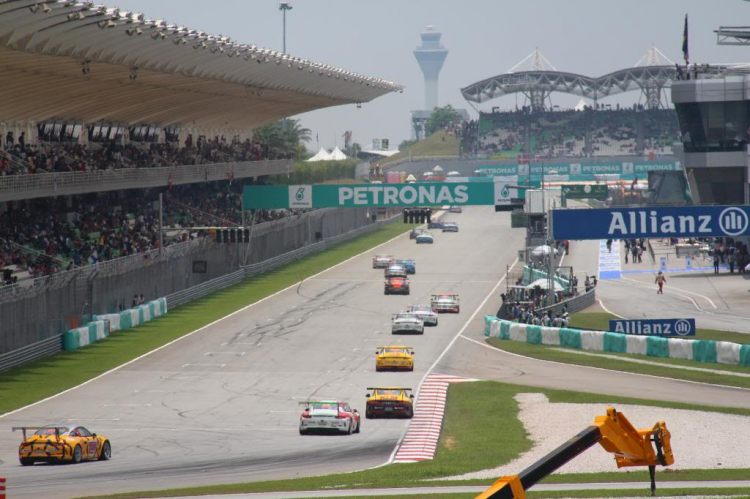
(576, 170)
(586, 191)
(380, 195)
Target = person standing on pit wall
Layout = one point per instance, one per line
(609, 245)
(717, 261)
(660, 280)
(567, 247)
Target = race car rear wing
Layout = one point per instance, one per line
(432, 297)
(390, 388)
(37, 428)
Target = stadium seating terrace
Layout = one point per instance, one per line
(571, 133)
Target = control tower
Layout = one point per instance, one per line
(430, 57)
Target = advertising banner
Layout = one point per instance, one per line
(579, 171)
(654, 327)
(375, 195)
(651, 222)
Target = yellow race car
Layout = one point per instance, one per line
(396, 358)
(62, 443)
(389, 401)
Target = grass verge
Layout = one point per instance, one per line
(481, 431)
(663, 369)
(702, 492)
(439, 143)
(30, 383)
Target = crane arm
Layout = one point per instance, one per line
(613, 431)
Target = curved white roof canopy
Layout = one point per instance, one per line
(80, 61)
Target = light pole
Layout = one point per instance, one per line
(283, 7)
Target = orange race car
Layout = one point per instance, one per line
(62, 443)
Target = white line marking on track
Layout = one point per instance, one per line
(432, 367)
(241, 354)
(204, 365)
(203, 328)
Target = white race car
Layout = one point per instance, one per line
(425, 238)
(424, 312)
(407, 323)
(382, 261)
(328, 415)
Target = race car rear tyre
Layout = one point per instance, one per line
(77, 454)
(368, 413)
(359, 426)
(351, 428)
(106, 453)
(302, 432)
(410, 414)
(26, 461)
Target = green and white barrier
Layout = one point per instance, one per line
(531, 275)
(708, 351)
(102, 325)
(82, 336)
(135, 316)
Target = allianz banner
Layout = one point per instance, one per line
(651, 222)
(376, 195)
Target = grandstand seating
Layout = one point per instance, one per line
(571, 133)
(48, 235)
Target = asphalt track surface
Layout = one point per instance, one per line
(222, 405)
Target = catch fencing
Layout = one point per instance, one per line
(33, 316)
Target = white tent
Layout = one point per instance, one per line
(437, 169)
(544, 284)
(321, 156)
(411, 178)
(581, 104)
(337, 155)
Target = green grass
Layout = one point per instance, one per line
(30, 383)
(703, 492)
(599, 321)
(663, 369)
(481, 431)
(434, 145)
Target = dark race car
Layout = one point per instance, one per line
(397, 286)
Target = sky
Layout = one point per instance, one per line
(484, 38)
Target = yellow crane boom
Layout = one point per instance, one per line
(630, 446)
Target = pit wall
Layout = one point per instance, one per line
(103, 325)
(707, 351)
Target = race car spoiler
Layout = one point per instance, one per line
(390, 388)
(37, 428)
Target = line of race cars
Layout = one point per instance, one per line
(72, 443)
(395, 401)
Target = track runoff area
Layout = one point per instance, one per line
(223, 405)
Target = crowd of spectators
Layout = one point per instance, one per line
(17, 157)
(573, 133)
(48, 235)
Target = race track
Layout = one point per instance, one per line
(221, 406)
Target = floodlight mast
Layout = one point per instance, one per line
(283, 7)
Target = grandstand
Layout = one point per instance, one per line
(105, 112)
(573, 133)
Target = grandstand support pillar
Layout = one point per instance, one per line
(537, 98)
(161, 222)
(652, 91)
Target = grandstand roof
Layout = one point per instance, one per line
(617, 82)
(80, 61)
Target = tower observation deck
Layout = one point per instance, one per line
(431, 56)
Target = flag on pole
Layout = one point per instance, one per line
(685, 51)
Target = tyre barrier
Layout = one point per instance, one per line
(706, 351)
(102, 325)
(2, 488)
(135, 316)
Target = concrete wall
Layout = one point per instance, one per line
(68, 300)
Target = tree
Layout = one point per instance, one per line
(284, 135)
(440, 118)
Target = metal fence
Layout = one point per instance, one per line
(60, 290)
(31, 352)
(201, 290)
(20, 187)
